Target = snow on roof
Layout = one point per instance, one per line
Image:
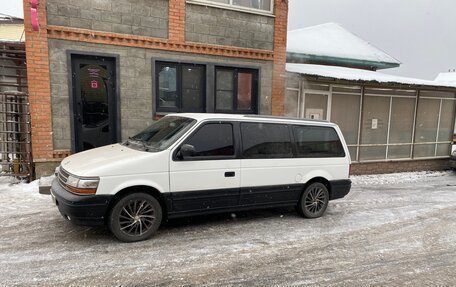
(359, 75)
(332, 40)
(448, 78)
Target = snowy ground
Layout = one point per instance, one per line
(393, 230)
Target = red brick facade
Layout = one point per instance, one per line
(176, 21)
(36, 45)
(399, 166)
(280, 55)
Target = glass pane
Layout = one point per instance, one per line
(424, 150)
(256, 4)
(94, 85)
(192, 90)
(345, 113)
(401, 151)
(443, 149)
(375, 120)
(291, 103)
(244, 92)
(446, 120)
(401, 126)
(372, 153)
(167, 87)
(313, 142)
(213, 140)
(224, 80)
(94, 94)
(315, 106)
(191, 101)
(427, 120)
(265, 141)
(224, 100)
(222, 1)
(224, 90)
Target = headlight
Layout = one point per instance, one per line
(82, 185)
(453, 153)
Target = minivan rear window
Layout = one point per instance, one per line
(314, 142)
(261, 140)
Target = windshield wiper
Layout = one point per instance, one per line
(144, 144)
(136, 140)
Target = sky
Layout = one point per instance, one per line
(419, 33)
(12, 7)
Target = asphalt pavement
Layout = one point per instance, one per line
(391, 230)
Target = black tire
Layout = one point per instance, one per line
(135, 217)
(314, 200)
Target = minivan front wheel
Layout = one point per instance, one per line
(314, 200)
(135, 217)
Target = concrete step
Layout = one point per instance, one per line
(44, 184)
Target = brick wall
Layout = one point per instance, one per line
(38, 82)
(176, 21)
(136, 17)
(280, 40)
(204, 24)
(399, 166)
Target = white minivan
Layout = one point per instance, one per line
(192, 164)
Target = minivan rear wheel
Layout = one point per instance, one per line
(135, 217)
(314, 200)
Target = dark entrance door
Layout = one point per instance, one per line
(94, 101)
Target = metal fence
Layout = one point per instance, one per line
(15, 140)
(15, 136)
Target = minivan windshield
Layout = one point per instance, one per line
(161, 134)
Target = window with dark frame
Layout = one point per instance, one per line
(180, 87)
(213, 139)
(236, 90)
(262, 140)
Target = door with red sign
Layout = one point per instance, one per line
(94, 101)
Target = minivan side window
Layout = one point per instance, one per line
(260, 140)
(213, 139)
(314, 142)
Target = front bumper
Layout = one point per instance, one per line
(80, 209)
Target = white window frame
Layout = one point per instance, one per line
(231, 6)
(301, 107)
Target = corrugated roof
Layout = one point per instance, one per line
(332, 40)
(351, 74)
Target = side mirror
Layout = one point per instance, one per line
(186, 151)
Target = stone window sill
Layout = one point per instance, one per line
(233, 8)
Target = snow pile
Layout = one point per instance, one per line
(395, 178)
(332, 40)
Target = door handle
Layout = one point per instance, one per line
(230, 174)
